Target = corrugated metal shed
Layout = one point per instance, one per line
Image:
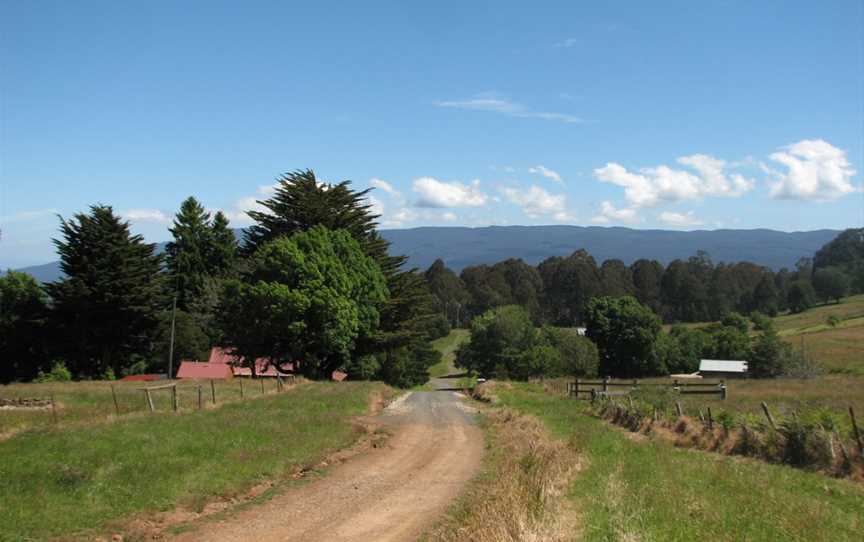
(722, 366)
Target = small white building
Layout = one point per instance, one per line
(721, 368)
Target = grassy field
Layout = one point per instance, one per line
(648, 490)
(63, 480)
(92, 401)
(447, 346)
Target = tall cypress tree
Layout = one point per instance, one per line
(106, 308)
(188, 254)
(222, 249)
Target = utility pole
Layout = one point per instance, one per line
(171, 348)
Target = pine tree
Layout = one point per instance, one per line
(106, 308)
(222, 249)
(187, 254)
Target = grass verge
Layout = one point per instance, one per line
(641, 489)
(447, 346)
(519, 494)
(73, 482)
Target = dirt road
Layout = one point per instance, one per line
(392, 493)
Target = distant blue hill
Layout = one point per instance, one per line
(463, 247)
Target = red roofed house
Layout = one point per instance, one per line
(223, 365)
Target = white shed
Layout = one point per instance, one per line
(722, 368)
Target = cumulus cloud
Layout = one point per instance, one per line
(609, 213)
(546, 172)
(653, 186)
(679, 219)
(537, 202)
(494, 103)
(435, 193)
(384, 186)
(146, 215)
(815, 171)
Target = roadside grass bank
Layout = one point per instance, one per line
(519, 495)
(93, 401)
(448, 346)
(75, 483)
(636, 488)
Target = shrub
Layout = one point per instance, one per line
(58, 373)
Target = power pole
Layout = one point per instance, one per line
(171, 348)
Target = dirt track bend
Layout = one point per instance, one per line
(388, 494)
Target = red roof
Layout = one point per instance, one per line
(223, 357)
(200, 369)
(338, 376)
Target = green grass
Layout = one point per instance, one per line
(447, 346)
(68, 481)
(650, 490)
(88, 402)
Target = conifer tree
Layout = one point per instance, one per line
(188, 255)
(106, 308)
(222, 249)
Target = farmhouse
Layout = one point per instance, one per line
(223, 365)
(717, 368)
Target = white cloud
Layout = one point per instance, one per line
(656, 185)
(147, 215)
(449, 216)
(537, 202)
(384, 186)
(567, 43)
(546, 172)
(435, 193)
(608, 213)
(492, 102)
(815, 171)
(679, 219)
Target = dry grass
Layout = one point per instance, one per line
(520, 496)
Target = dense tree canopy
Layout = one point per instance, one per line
(23, 310)
(105, 311)
(308, 297)
(625, 333)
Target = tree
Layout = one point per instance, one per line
(767, 358)
(647, 275)
(308, 297)
(845, 252)
(451, 296)
(222, 249)
(800, 295)
(187, 255)
(830, 283)
(577, 355)
(616, 279)
(106, 309)
(500, 340)
(625, 332)
(22, 327)
(568, 284)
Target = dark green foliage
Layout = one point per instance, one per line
(761, 322)
(577, 355)
(647, 275)
(768, 355)
(569, 283)
(800, 295)
(616, 279)
(22, 327)
(830, 283)
(500, 339)
(735, 320)
(106, 309)
(191, 341)
(222, 249)
(625, 333)
(682, 348)
(846, 253)
(307, 297)
(511, 282)
(451, 296)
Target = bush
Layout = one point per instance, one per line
(58, 373)
(577, 355)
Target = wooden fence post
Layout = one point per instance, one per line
(212, 391)
(241, 388)
(114, 396)
(576, 389)
(768, 415)
(149, 399)
(200, 398)
(723, 391)
(174, 402)
(710, 420)
(678, 409)
(53, 408)
(262, 385)
(605, 383)
(857, 433)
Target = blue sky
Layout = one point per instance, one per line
(689, 115)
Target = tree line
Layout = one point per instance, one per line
(557, 291)
(311, 281)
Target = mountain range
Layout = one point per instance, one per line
(460, 247)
